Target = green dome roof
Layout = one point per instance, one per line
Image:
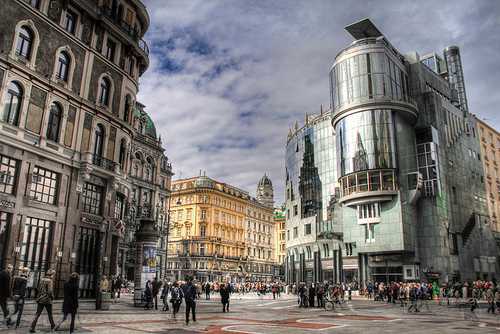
(149, 129)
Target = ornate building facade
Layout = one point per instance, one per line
(69, 74)
(218, 232)
(490, 156)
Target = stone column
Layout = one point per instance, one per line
(146, 248)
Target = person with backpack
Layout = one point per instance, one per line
(176, 296)
(44, 300)
(190, 294)
(70, 302)
(224, 297)
(19, 293)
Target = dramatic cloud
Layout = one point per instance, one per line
(228, 78)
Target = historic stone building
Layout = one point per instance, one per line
(69, 72)
(490, 156)
(219, 232)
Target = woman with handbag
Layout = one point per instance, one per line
(176, 296)
(44, 299)
(19, 292)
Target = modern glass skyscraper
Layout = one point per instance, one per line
(408, 197)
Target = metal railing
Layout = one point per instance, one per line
(104, 163)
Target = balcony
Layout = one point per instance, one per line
(125, 28)
(104, 163)
(361, 185)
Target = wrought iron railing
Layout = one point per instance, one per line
(103, 162)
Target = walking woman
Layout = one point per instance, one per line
(176, 296)
(70, 303)
(19, 292)
(224, 297)
(44, 300)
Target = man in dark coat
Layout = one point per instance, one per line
(19, 293)
(5, 292)
(189, 291)
(156, 290)
(70, 303)
(224, 297)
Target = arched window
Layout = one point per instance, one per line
(24, 42)
(13, 103)
(121, 155)
(54, 124)
(128, 107)
(149, 169)
(99, 140)
(63, 62)
(105, 92)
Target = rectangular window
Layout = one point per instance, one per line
(8, 174)
(370, 232)
(92, 198)
(35, 247)
(70, 25)
(288, 234)
(203, 214)
(44, 186)
(203, 230)
(119, 206)
(307, 229)
(295, 232)
(295, 210)
(202, 249)
(110, 50)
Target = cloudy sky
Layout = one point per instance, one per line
(228, 78)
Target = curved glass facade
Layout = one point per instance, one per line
(365, 140)
(367, 76)
(310, 169)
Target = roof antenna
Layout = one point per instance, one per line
(321, 108)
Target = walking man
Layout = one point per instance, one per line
(189, 291)
(70, 303)
(44, 300)
(207, 290)
(19, 292)
(156, 290)
(5, 292)
(224, 297)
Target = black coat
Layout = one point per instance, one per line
(4, 285)
(19, 286)
(224, 295)
(189, 291)
(70, 304)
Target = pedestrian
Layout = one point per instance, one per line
(148, 295)
(224, 297)
(5, 292)
(490, 298)
(156, 290)
(312, 293)
(70, 302)
(207, 290)
(497, 297)
(164, 296)
(44, 300)
(119, 285)
(320, 294)
(19, 293)
(190, 293)
(176, 296)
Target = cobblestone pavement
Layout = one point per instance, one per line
(253, 315)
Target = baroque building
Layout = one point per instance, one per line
(407, 200)
(69, 72)
(217, 232)
(490, 156)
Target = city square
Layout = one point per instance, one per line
(271, 166)
(261, 314)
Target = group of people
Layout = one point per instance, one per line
(415, 294)
(180, 291)
(15, 288)
(316, 294)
